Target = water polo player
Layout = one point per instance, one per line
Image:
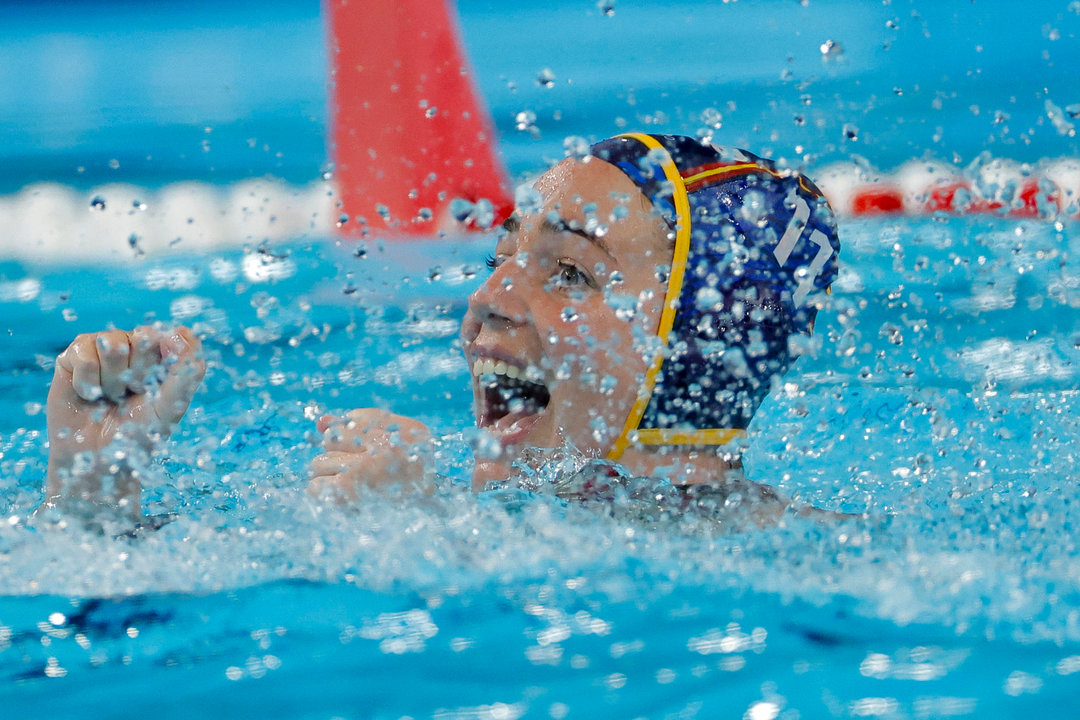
(639, 310)
(643, 311)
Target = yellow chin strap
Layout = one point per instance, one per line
(660, 436)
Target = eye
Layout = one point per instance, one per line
(570, 276)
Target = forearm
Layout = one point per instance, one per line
(93, 482)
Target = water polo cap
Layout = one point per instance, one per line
(754, 248)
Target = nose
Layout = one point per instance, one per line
(498, 303)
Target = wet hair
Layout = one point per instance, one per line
(755, 248)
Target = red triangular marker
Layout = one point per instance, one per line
(409, 132)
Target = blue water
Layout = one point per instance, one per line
(941, 402)
(115, 90)
(956, 597)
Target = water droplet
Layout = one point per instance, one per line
(595, 228)
(528, 200)
(755, 208)
(425, 214)
(851, 132)
(384, 212)
(569, 314)
(138, 205)
(831, 49)
(600, 431)
(576, 147)
(342, 220)
(483, 214)
(545, 78)
(709, 298)
(712, 118)
(97, 203)
(525, 120)
(434, 274)
(606, 7)
(431, 112)
(461, 209)
(624, 305)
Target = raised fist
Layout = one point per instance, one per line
(116, 386)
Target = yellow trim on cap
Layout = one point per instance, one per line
(671, 298)
(660, 436)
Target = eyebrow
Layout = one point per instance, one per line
(559, 225)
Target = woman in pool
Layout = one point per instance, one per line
(639, 310)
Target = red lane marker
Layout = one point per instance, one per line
(943, 198)
(1034, 201)
(410, 133)
(877, 200)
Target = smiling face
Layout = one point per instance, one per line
(560, 336)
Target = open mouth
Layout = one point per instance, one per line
(512, 394)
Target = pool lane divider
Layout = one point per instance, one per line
(116, 222)
(1049, 189)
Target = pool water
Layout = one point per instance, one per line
(943, 410)
(938, 401)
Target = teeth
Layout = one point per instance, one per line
(486, 366)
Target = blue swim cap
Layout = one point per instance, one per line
(755, 246)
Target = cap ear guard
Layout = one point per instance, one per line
(753, 245)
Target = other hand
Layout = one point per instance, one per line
(369, 448)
